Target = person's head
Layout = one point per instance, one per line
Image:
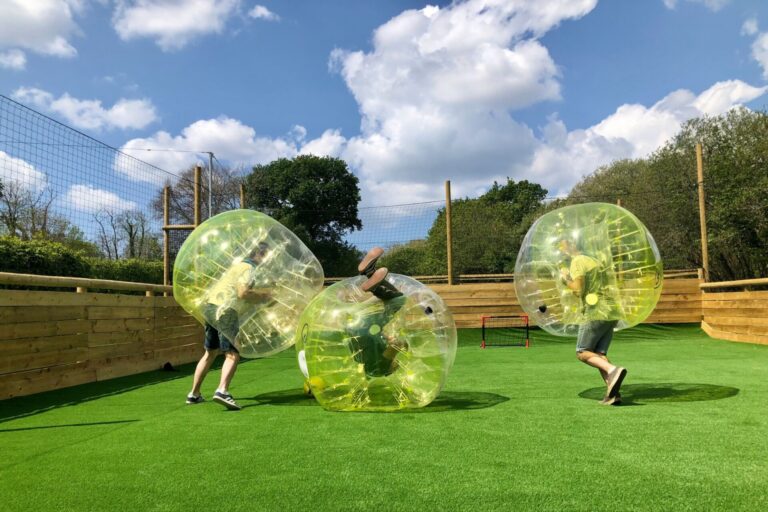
(258, 252)
(567, 247)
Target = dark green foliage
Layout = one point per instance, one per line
(316, 198)
(487, 231)
(662, 191)
(132, 270)
(43, 257)
(412, 258)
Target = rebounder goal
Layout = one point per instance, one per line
(505, 331)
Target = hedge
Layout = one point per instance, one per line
(44, 257)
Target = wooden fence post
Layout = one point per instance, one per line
(448, 233)
(702, 213)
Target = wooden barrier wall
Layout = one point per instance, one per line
(679, 303)
(736, 316)
(51, 340)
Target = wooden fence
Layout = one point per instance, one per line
(679, 303)
(56, 339)
(731, 312)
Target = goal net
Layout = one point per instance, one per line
(505, 331)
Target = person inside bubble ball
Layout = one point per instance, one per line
(235, 287)
(584, 278)
(372, 344)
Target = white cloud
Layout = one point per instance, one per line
(749, 28)
(13, 59)
(88, 199)
(172, 23)
(40, 26)
(633, 131)
(436, 93)
(20, 171)
(261, 12)
(760, 52)
(229, 139)
(90, 114)
(713, 5)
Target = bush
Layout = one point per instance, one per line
(43, 257)
(134, 270)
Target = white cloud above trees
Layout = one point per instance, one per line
(125, 114)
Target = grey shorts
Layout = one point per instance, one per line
(596, 336)
(222, 337)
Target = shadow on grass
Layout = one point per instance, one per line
(67, 425)
(639, 394)
(23, 406)
(447, 401)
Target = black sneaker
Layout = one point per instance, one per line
(375, 280)
(192, 399)
(226, 400)
(368, 264)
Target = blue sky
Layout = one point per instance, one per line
(408, 93)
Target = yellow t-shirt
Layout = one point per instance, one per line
(224, 292)
(580, 265)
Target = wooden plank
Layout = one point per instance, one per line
(42, 344)
(730, 336)
(41, 329)
(131, 324)
(24, 314)
(735, 304)
(36, 381)
(108, 313)
(112, 338)
(34, 360)
(748, 295)
(48, 298)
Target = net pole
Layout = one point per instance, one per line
(482, 323)
(166, 241)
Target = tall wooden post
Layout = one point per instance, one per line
(448, 234)
(198, 175)
(702, 213)
(242, 196)
(166, 241)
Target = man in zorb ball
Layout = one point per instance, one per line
(589, 270)
(247, 278)
(376, 342)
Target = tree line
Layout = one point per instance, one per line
(318, 198)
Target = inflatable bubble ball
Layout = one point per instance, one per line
(586, 262)
(248, 276)
(367, 354)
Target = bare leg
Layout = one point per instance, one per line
(228, 370)
(598, 361)
(203, 366)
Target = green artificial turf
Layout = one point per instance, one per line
(515, 429)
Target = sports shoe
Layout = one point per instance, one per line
(192, 399)
(616, 400)
(614, 381)
(367, 265)
(226, 400)
(375, 280)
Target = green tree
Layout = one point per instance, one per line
(662, 191)
(315, 197)
(487, 231)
